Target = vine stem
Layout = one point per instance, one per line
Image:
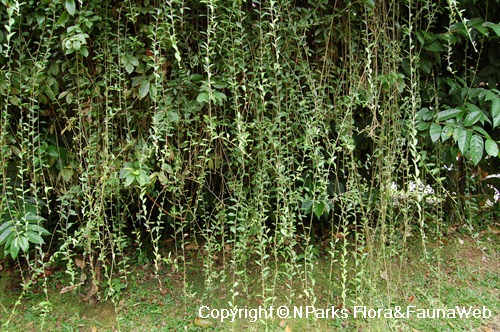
(161, 208)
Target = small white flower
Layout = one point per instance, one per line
(431, 200)
(496, 197)
(449, 168)
(428, 190)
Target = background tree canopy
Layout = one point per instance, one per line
(266, 132)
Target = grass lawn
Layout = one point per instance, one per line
(462, 272)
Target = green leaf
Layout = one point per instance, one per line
(476, 149)
(34, 237)
(307, 206)
(15, 150)
(143, 178)
(129, 68)
(38, 229)
(319, 207)
(9, 239)
(5, 235)
(133, 60)
(425, 114)
(66, 173)
(478, 24)
(196, 78)
(448, 114)
(473, 108)
(219, 85)
(14, 247)
(173, 116)
(218, 96)
(455, 133)
(152, 92)
(420, 36)
(158, 117)
(33, 217)
(6, 225)
(129, 180)
(70, 7)
(435, 132)
(76, 45)
(23, 243)
(434, 46)
(482, 132)
(202, 98)
(327, 207)
(446, 133)
(163, 179)
(493, 26)
(53, 151)
(425, 65)
(490, 95)
(125, 172)
(495, 111)
(84, 51)
(491, 148)
(472, 118)
(63, 18)
(463, 139)
(29, 206)
(144, 89)
(423, 126)
(128, 168)
(369, 3)
(69, 98)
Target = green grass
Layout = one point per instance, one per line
(456, 274)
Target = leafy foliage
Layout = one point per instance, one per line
(251, 131)
(466, 95)
(21, 228)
